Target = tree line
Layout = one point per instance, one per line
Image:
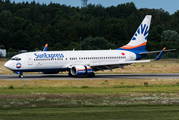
(29, 26)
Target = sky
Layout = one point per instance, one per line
(168, 5)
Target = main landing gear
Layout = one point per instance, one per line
(69, 74)
(92, 75)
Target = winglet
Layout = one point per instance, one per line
(45, 48)
(161, 53)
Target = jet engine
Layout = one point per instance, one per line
(81, 70)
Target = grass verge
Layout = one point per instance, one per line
(89, 99)
(95, 113)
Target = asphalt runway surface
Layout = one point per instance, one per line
(97, 77)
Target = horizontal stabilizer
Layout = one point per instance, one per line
(150, 52)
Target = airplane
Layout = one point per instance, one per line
(85, 62)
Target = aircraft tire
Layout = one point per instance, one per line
(21, 76)
(69, 74)
(92, 75)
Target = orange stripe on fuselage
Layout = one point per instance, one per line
(131, 47)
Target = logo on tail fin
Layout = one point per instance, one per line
(141, 31)
(139, 39)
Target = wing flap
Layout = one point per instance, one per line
(117, 63)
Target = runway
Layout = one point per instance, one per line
(97, 77)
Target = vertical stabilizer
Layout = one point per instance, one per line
(139, 40)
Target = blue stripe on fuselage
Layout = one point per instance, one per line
(136, 52)
(42, 70)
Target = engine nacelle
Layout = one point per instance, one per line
(81, 70)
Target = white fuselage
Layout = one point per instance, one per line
(62, 60)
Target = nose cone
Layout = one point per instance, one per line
(7, 65)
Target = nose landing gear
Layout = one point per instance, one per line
(20, 74)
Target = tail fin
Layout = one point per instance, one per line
(45, 48)
(139, 40)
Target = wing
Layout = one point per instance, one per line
(111, 65)
(118, 63)
(107, 65)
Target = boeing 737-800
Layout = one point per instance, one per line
(87, 61)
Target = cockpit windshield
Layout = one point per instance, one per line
(16, 58)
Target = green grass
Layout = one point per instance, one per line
(36, 97)
(114, 99)
(91, 90)
(95, 113)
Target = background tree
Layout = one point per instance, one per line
(96, 43)
(169, 35)
(6, 20)
(31, 25)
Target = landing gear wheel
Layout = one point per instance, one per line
(69, 74)
(21, 76)
(92, 75)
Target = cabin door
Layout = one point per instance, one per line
(30, 60)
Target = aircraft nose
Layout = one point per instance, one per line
(7, 65)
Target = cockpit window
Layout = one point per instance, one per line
(16, 59)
